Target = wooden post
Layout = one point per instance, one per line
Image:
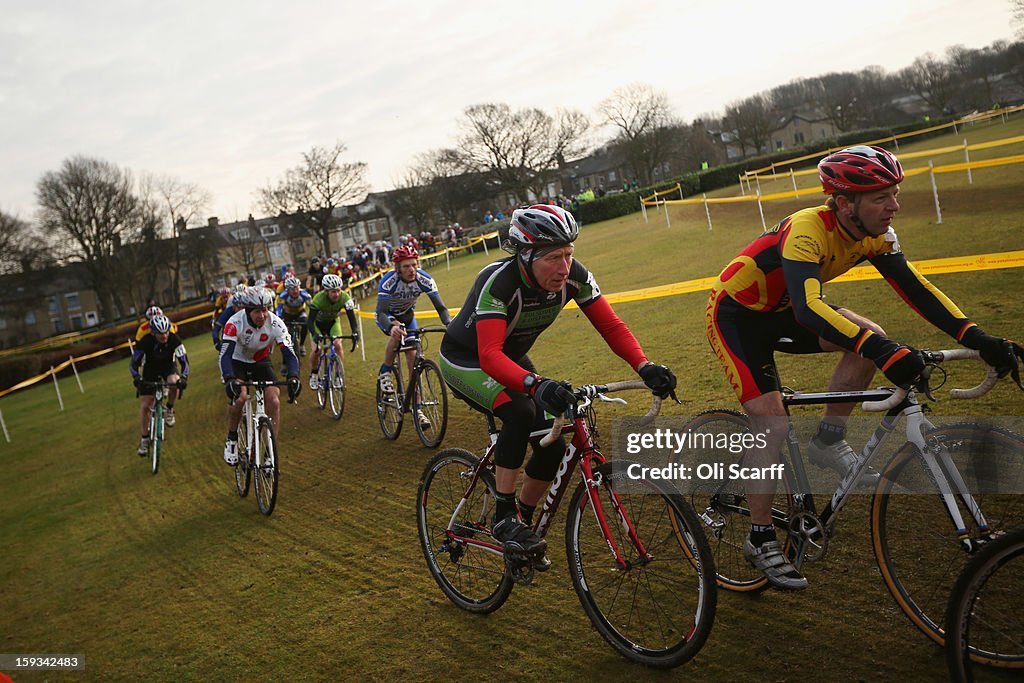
(706, 209)
(935, 193)
(4, 425)
(78, 379)
(967, 159)
(57, 387)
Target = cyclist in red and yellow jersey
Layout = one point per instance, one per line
(769, 299)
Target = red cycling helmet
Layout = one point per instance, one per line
(859, 169)
(403, 253)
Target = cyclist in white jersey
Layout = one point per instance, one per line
(247, 341)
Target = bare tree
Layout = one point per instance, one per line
(1017, 6)
(519, 149)
(200, 255)
(647, 130)
(182, 203)
(310, 192)
(414, 198)
(932, 81)
(88, 208)
(22, 248)
(752, 120)
(843, 101)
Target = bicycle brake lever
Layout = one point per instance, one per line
(612, 399)
(923, 384)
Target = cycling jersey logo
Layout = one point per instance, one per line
(264, 337)
(230, 330)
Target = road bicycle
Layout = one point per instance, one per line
(156, 420)
(928, 513)
(985, 615)
(637, 554)
(330, 374)
(257, 449)
(426, 395)
(295, 329)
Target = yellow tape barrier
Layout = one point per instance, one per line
(954, 264)
(947, 168)
(973, 118)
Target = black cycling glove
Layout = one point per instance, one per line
(553, 396)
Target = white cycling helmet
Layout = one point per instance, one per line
(160, 324)
(258, 297)
(332, 281)
(292, 282)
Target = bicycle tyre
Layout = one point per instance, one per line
(656, 612)
(985, 615)
(472, 576)
(916, 546)
(321, 391)
(389, 406)
(267, 472)
(726, 505)
(243, 472)
(156, 433)
(336, 387)
(433, 401)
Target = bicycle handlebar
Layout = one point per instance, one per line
(590, 391)
(331, 338)
(940, 357)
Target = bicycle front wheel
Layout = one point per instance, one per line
(985, 616)
(454, 524)
(321, 382)
(658, 606)
(918, 548)
(266, 469)
(157, 437)
(336, 387)
(431, 417)
(243, 472)
(389, 405)
(726, 511)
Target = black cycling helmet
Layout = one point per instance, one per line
(540, 226)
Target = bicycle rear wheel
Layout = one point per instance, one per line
(723, 505)
(432, 400)
(156, 433)
(917, 547)
(985, 616)
(266, 469)
(454, 530)
(389, 405)
(659, 608)
(243, 471)
(336, 387)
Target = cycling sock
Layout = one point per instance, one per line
(829, 433)
(526, 511)
(385, 369)
(504, 505)
(233, 436)
(761, 534)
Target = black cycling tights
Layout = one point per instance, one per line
(519, 417)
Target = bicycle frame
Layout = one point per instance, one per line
(940, 466)
(411, 342)
(580, 451)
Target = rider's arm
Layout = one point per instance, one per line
(227, 349)
(182, 357)
(314, 313)
(615, 332)
(137, 355)
(291, 361)
(921, 295)
(350, 311)
(384, 319)
(442, 310)
(490, 337)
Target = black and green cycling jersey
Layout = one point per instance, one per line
(324, 314)
(500, 292)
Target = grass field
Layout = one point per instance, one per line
(173, 577)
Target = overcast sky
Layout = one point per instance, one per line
(229, 94)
